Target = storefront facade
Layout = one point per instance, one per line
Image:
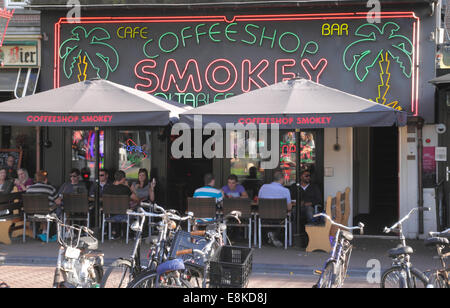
(200, 56)
(20, 62)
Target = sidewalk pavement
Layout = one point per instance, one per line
(268, 260)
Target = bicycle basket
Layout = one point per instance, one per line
(183, 241)
(231, 267)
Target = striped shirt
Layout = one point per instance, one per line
(45, 189)
(209, 192)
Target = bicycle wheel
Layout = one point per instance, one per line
(118, 275)
(147, 280)
(438, 281)
(328, 278)
(397, 278)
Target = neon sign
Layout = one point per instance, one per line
(135, 154)
(199, 60)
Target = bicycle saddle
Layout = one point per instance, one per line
(400, 251)
(347, 235)
(434, 241)
(88, 243)
(170, 266)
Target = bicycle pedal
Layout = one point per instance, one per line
(317, 272)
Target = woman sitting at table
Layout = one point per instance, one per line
(6, 186)
(23, 181)
(144, 189)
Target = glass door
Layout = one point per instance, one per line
(84, 152)
(301, 150)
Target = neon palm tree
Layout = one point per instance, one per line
(103, 57)
(361, 56)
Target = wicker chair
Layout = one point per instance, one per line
(35, 204)
(242, 205)
(114, 205)
(202, 208)
(75, 204)
(274, 209)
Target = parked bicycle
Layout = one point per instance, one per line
(402, 274)
(335, 271)
(440, 240)
(187, 268)
(79, 265)
(122, 271)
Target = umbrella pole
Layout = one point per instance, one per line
(38, 149)
(97, 180)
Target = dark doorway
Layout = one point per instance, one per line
(376, 178)
(185, 176)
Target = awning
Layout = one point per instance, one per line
(298, 103)
(89, 103)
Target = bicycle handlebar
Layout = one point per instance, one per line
(438, 234)
(417, 209)
(141, 213)
(359, 227)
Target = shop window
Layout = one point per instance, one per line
(26, 82)
(84, 151)
(294, 159)
(243, 162)
(288, 157)
(134, 152)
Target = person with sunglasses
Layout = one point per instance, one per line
(310, 196)
(103, 182)
(74, 186)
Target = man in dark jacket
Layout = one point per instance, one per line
(310, 196)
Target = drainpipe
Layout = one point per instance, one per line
(420, 123)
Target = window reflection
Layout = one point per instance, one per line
(307, 151)
(288, 157)
(134, 152)
(84, 151)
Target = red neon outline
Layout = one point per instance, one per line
(226, 81)
(207, 77)
(250, 73)
(283, 72)
(181, 76)
(7, 15)
(153, 65)
(314, 68)
(250, 18)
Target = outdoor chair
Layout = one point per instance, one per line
(35, 204)
(203, 208)
(76, 204)
(341, 212)
(242, 205)
(319, 235)
(114, 205)
(274, 209)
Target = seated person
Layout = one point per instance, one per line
(233, 189)
(23, 181)
(10, 168)
(276, 190)
(6, 186)
(72, 187)
(144, 189)
(120, 188)
(103, 183)
(42, 187)
(309, 195)
(208, 191)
